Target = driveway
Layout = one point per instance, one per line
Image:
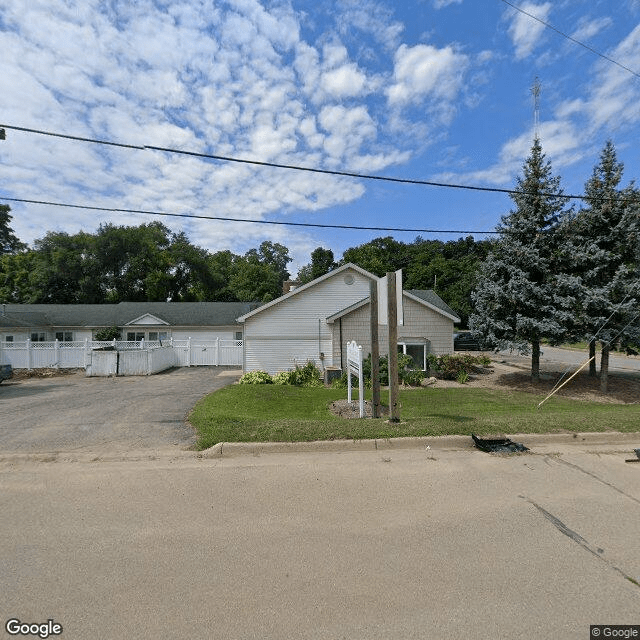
(554, 358)
(72, 413)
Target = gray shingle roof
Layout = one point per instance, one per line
(187, 314)
(430, 296)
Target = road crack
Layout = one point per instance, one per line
(579, 540)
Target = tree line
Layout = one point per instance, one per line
(150, 263)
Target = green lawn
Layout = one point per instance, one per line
(262, 413)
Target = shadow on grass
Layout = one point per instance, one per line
(447, 416)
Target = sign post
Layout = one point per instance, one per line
(392, 315)
(375, 351)
(354, 366)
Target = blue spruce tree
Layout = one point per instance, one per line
(521, 296)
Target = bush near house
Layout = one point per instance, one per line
(307, 376)
(457, 367)
(256, 377)
(407, 375)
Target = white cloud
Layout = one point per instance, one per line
(424, 71)
(589, 28)
(440, 4)
(343, 82)
(614, 97)
(237, 80)
(525, 32)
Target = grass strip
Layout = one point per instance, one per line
(275, 413)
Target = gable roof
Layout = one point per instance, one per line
(307, 286)
(426, 297)
(433, 300)
(187, 314)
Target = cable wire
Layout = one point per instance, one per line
(275, 165)
(247, 220)
(568, 37)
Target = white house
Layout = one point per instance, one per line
(63, 335)
(315, 322)
(150, 321)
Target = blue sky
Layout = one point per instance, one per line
(435, 90)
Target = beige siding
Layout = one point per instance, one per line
(420, 322)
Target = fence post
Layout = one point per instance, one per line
(114, 343)
(29, 354)
(189, 352)
(86, 352)
(56, 353)
(142, 343)
(217, 350)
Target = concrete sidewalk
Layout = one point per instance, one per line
(382, 543)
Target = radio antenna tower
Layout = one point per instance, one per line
(535, 91)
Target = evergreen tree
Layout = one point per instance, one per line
(604, 242)
(519, 300)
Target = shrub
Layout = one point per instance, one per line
(284, 377)
(307, 376)
(406, 373)
(451, 367)
(412, 377)
(256, 377)
(463, 377)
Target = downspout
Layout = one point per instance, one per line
(341, 364)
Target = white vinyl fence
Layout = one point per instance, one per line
(65, 355)
(131, 362)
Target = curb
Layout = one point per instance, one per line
(460, 443)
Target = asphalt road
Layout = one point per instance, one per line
(72, 413)
(553, 358)
(422, 543)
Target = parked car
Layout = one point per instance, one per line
(466, 342)
(6, 372)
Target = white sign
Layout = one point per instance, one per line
(382, 299)
(354, 367)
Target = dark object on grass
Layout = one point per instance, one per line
(634, 459)
(499, 445)
(6, 372)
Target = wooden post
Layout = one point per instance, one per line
(392, 316)
(375, 351)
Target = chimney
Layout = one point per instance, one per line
(289, 285)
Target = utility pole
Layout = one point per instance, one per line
(392, 314)
(375, 350)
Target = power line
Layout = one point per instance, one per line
(572, 39)
(247, 220)
(362, 176)
(275, 165)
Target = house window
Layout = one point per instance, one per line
(238, 335)
(64, 336)
(158, 335)
(8, 339)
(38, 336)
(417, 351)
(135, 336)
